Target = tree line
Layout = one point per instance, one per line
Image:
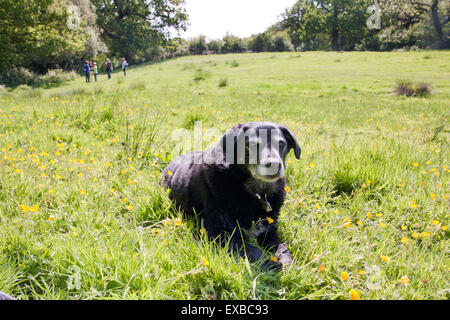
(344, 25)
(41, 35)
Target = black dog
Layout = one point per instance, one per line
(238, 185)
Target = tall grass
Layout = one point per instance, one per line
(82, 214)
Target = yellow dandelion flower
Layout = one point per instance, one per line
(274, 259)
(354, 295)
(205, 262)
(177, 222)
(270, 220)
(362, 272)
(287, 189)
(405, 280)
(404, 240)
(404, 228)
(415, 235)
(169, 173)
(435, 222)
(51, 218)
(322, 268)
(344, 276)
(432, 196)
(444, 228)
(413, 205)
(385, 258)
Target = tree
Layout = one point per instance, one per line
(215, 46)
(131, 27)
(34, 34)
(400, 15)
(198, 45)
(258, 43)
(343, 22)
(232, 44)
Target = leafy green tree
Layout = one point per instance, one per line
(233, 44)
(198, 45)
(405, 21)
(129, 28)
(34, 34)
(342, 22)
(215, 46)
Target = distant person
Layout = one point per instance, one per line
(124, 67)
(87, 70)
(95, 71)
(91, 70)
(109, 67)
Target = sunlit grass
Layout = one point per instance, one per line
(82, 215)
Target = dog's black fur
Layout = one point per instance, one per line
(229, 198)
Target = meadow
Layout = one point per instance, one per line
(82, 215)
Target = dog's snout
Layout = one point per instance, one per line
(271, 163)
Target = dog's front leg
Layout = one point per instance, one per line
(221, 227)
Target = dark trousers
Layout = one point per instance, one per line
(124, 72)
(88, 77)
(109, 72)
(95, 76)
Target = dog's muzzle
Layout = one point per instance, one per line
(269, 170)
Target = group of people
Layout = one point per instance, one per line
(91, 69)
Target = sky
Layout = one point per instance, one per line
(214, 18)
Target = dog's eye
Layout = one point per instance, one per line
(282, 144)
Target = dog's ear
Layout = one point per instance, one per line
(292, 142)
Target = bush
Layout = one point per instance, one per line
(55, 77)
(201, 74)
(409, 89)
(18, 76)
(223, 82)
(21, 76)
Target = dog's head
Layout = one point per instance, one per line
(261, 148)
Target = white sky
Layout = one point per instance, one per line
(214, 18)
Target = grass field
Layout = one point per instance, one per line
(82, 215)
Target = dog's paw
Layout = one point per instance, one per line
(283, 256)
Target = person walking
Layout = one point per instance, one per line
(91, 70)
(124, 67)
(109, 67)
(87, 71)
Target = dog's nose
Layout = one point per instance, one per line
(271, 164)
